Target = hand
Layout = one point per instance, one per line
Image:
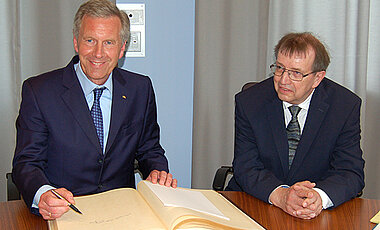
(312, 203)
(51, 207)
(300, 200)
(163, 178)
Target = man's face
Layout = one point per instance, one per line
(295, 92)
(99, 47)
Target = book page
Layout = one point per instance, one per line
(184, 218)
(194, 200)
(116, 209)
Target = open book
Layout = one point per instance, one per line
(153, 206)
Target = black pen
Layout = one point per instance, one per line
(62, 198)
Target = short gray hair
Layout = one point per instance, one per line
(102, 9)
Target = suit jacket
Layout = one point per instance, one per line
(328, 153)
(57, 142)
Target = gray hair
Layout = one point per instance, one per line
(102, 9)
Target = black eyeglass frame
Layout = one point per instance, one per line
(290, 75)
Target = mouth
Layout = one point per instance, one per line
(284, 90)
(96, 63)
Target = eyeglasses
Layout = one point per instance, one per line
(293, 74)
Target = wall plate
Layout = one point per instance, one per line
(136, 14)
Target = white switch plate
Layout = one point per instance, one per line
(136, 14)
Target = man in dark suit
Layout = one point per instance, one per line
(297, 134)
(80, 128)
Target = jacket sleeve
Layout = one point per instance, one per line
(30, 154)
(150, 154)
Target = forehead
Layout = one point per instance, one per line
(101, 26)
(296, 59)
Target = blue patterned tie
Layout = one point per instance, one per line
(294, 132)
(96, 114)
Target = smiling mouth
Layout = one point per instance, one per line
(97, 62)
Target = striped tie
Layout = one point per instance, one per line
(294, 132)
(96, 114)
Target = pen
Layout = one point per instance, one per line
(62, 198)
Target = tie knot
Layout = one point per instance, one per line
(294, 110)
(98, 93)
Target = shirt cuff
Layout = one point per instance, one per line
(326, 201)
(280, 186)
(40, 191)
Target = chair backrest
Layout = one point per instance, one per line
(12, 191)
(248, 84)
(222, 173)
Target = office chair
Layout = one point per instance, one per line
(221, 174)
(12, 191)
(14, 194)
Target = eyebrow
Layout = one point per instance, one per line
(295, 69)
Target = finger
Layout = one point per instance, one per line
(313, 198)
(304, 184)
(66, 194)
(295, 198)
(153, 176)
(50, 213)
(49, 200)
(306, 214)
(174, 183)
(163, 176)
(169, 180)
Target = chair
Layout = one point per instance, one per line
(221, 174)
(12, 191)
(14, 194)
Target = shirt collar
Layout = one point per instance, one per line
(87, 85)
(304, 105)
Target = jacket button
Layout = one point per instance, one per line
(100, 186)
(100, 161)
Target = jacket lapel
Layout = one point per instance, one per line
(317, 111)
(121, 97)
(276, 120)
(77, 105)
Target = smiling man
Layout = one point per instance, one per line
(80, 128)
(297, 134)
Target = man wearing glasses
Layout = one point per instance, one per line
(297, 134)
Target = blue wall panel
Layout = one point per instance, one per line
(169, 62)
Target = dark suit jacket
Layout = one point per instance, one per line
(57, 142)
(328, 153)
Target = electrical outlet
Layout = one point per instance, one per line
(135, 42)
(136, 15)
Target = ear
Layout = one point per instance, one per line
(318, 78)
(75, 41)
(122, 50)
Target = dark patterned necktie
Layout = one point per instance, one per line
(96, 114)
(294, 132)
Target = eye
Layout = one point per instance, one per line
(89, 41)
(108, 43)
(279, 68)
(297, 73)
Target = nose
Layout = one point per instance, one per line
(99, 50)
(284, 78)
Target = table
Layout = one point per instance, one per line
(354, 214)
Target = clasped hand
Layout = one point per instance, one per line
(299, 200)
